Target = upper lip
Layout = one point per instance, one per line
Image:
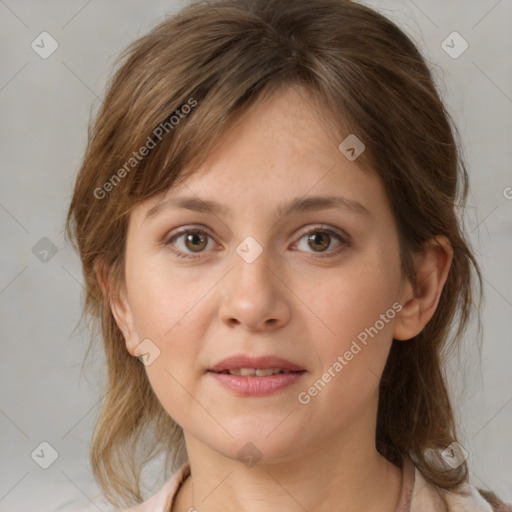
(263, 362)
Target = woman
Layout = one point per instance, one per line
(266, 220)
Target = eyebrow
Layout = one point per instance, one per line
(298, 205)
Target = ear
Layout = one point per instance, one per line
(420, 302)
(118, 302)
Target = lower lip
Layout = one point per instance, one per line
(257, 386)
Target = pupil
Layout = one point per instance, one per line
(314, 238)
(194, 239)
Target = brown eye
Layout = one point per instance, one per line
(189, 242)
(319, 241)
(323, 242)
(196, 242)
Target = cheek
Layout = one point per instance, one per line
(164, 300)
(355, 300)
(170, 309)
(352, 364)
(358, 309)
(170, 321)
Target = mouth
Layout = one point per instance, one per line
(255, 372)
(251, 366)
(256, 376)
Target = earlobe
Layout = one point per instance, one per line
(420, 302)
(118, 303)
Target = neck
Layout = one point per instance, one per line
(334, 476)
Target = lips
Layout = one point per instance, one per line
(255, 366)
(256, 376)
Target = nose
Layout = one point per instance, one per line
(254, 296)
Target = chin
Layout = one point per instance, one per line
(268, 441)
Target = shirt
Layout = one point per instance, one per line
(416, 495)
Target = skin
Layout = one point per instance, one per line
(289, 302)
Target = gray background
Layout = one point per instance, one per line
(45, 105)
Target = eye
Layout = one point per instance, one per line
(320, 239)
(194, 240)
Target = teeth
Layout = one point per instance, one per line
(257, 372)
(265, 373)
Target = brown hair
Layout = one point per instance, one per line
(222, 57)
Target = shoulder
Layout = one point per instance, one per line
(162, 500)
(495, 502)
(427, 497)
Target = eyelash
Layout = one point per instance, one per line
(317, 229)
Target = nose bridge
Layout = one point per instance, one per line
(252, 264)
(252, 295)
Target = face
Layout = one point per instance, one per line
(251, 283)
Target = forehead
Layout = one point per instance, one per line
(279, 152)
